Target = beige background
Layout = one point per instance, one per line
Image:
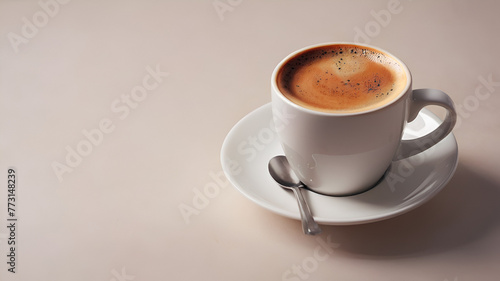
(68, 66)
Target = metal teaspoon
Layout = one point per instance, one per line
(280, 170)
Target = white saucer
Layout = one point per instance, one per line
(408, 183)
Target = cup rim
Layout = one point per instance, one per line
(274, 84)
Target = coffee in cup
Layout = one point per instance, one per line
(341, 78)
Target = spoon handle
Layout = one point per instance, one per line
(309, 226)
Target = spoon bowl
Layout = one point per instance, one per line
(282, 173)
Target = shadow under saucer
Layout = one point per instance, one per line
(462, 212)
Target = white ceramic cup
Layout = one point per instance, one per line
(347, 153)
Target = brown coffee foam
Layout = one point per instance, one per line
(341, 78)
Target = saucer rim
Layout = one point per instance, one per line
(324, 220)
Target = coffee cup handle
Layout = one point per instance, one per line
(418, 100)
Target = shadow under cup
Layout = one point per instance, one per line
(340, 152)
